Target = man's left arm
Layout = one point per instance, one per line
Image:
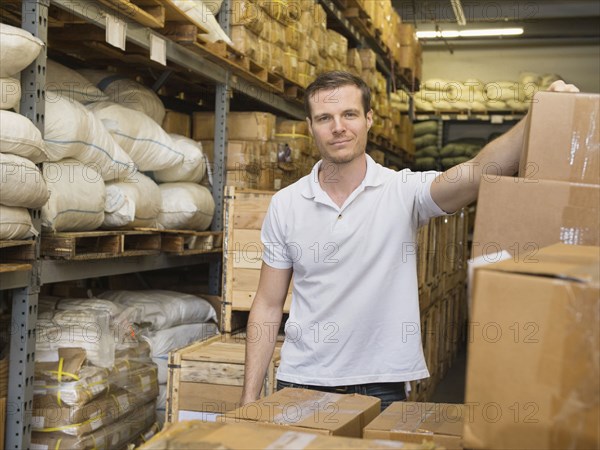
(459, 185)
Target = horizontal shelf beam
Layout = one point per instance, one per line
(14, 280)
(55, 271)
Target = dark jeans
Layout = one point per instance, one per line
(386, 392)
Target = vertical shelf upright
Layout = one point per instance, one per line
(25, 299)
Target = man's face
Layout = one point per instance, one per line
(338, 123)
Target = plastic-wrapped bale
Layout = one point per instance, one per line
(163, 341)
(71, 131)
(427, 127)
(425, 140)
(127, 92)
(18, 49)
(64, 82)
(77, 196)
(248, 14)
(162, 309)
(150, 147)
(10, 93)
(19, 136)
(426, 163)
(186, 206)
(193, 166)
(21, 183)
(135, 202)
(15, 223)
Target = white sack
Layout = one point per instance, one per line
(150, 147)
(71, 131)
(70, 84)
(193, 166)
(10, 93)
(76, 197)
(19, 136)
(21, 183)
(15, 223)
(134, 202)
(165, 309)
(168, 339)
(18, 49)
(128, 93)
(186, 206)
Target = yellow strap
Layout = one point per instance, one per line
(73, 425)
(60, 366)
(292, 135)
(60, 373)
(117, 402)
(57, 446)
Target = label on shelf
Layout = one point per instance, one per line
(116, 31)
(445, 117)
(462, 117)
(496, 119)
(158, 49)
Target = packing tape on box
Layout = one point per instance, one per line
(585, 140)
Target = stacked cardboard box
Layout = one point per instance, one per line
(538, 309)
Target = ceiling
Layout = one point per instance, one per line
(545, 22)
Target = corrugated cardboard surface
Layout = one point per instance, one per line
(440, 423)
(337, 414)
(532, 370)
(522, 216)
(562, 141)
(195, 434)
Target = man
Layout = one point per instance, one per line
(347, 233)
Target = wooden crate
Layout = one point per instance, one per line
(208, 376)
(244, 213)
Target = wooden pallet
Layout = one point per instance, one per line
(207, 376)
(100, 244)
(150, 13)
(292, 90)
(17, 251)
(183, 242)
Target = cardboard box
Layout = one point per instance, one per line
(314, 411)
(177, 123)
(368, 59)
(532, 371)
(197, 434)
(521, 216)
(562, 141)
(245, 41)
(441, 423)
(243, 126)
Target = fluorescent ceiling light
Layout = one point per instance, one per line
(469, 33)
(458, 12)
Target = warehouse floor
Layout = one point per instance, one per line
(452, 387)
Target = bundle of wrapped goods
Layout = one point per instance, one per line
(177, 123)
(77, 404)
(248, 14)
(321, 37)
(148, 145)
(21, 183)
(290, 65)
(10, 93)
(282, 11)
(193, 166)
(337, 45)
(426, 144)
(275, 55)
(277, 35)
(134, 202)
(368, 59)
(128, 93)
(71, 131)
(245, 41)
(292, 136)
(460, 151)
(68, 83)
(309, 52)
(18, 49)
(77, 196)
(243, 126)
(185, 206)
(169, 320)
(306, 73)
(400, 101)
(294, 33)
(262, 53)
(354, 61)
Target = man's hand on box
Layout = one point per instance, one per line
(561, 86)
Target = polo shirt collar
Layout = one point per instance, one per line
(312, 188)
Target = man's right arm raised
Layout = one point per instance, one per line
(263, 323)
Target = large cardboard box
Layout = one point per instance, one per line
(197, 434)
(243, 126)
(441, 423)
(313, 411)
(178, 123)
(521, 216)
(532, 371)
(562, 141)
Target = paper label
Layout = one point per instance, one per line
(496, 119)
(116, 31)
(158, 49)
(37, 422)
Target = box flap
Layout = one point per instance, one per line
(571, 262)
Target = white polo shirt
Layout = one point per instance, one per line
(354, 316)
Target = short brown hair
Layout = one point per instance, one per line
(335, 79)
